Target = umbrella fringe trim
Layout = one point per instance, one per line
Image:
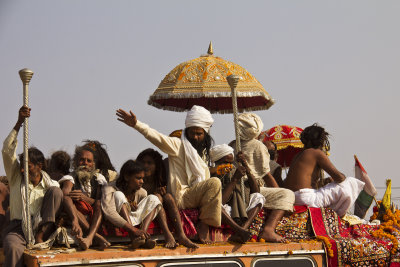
(228, 111)
(210, 94)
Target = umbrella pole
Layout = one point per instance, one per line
(233, 81)
(26, 76)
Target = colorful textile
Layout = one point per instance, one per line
(352, 245)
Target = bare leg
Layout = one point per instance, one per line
(251, 214)
(241, 235)
(72, 212)
(173, 212)
(162, 221)
(145, 225)
(268, 233)
(86, 242)
(44, 232)
(136, 240)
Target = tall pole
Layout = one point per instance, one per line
(26, 76)
(233, 81)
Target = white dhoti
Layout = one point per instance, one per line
(255, 199)
(144, 207)
(339, 197)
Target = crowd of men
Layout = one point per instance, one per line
(85, 191)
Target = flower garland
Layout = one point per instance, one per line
(327, 244)
(388, 227)
(224, 169)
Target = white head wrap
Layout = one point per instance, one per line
(250, 126)
(195, 166)
(220, 151)
(199, 117)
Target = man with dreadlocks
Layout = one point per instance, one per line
(189, 177)
(82, 196)
(306, 179)
(103, 164)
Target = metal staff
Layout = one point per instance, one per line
(233, 81)
(26, 76)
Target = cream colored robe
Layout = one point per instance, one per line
(205, 195)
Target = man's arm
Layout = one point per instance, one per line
(324, 162)
(270, 180)
(169, 145)
(11, 165)
(228, 190)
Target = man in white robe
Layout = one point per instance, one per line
(189, 177)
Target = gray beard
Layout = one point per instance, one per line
(84, 176)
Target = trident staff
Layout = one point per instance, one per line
(26, 76)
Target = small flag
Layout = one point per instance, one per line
(386, 200)
(366, 196)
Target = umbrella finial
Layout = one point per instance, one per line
(210, 49)
(233, 80)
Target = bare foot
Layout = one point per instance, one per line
(183, 240)
(84, 243)
(101, 242)
(170, 241)
(270, 236)
(137, 242)
(241, 236)
(203, 234)
(149, 244)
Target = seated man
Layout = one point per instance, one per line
(237, 212)
(276, 169)
(305, 178)
(45, 197)
(189, 177)
(82, 196)
(59, 165)
(277, 200)
(104, 164)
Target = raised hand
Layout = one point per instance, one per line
(127, 118)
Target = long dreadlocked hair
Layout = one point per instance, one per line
(103, 162)
(315, 136)
(161, 173)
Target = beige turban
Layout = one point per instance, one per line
(220, 151)
(199, 117)
(250, 126)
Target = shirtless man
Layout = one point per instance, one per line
(82, 196)
(305, 175)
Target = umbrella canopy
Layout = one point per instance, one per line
(202, 81)
(287, 140)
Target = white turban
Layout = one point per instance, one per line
(199, 117)
(250, 126)
(220, 151)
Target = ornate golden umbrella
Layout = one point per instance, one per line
(218, 85)
(203, 81)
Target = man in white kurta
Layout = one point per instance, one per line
(189, 177)
(277, 200)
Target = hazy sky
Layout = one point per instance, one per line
(336, 63)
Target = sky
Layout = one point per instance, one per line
(336, 63)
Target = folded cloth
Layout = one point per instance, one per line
(339, 197)
(84, 207)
